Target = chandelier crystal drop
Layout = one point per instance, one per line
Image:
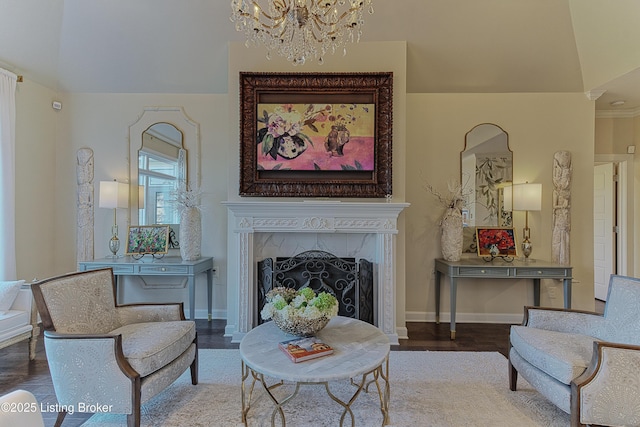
(300, 30)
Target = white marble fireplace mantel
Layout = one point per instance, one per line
(248, 218)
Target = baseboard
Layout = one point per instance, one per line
(422, 316)
(229, 330)
(403, 333)
(201, 313)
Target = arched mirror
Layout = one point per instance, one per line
(487, 176)
(162, 168)
(164, 152)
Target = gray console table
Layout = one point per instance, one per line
(166, 266)
(478, 268)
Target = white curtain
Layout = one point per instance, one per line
(7, 175)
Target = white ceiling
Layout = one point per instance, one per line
(180, 46)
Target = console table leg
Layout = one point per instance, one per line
(567, 292)
(118, 283)
(209, 291)
(192, 297)
(454, 287)
(438, 276)
(536, 292)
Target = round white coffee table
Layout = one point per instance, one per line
(360, 350)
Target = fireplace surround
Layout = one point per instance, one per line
(262, 229)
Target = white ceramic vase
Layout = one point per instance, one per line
(190, 234)
(452, 235)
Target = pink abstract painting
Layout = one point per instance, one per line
(307, 137)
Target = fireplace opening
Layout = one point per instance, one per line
(350, 281)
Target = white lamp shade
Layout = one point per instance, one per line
(113, 195)
(527, 197)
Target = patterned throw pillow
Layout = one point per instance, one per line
(8, 293)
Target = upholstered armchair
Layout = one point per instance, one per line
(114, 357)
(585, 363)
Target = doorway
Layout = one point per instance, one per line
(605, 236)
(612, 219)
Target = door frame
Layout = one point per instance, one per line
(624, 208)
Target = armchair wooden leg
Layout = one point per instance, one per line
(32, 348)
(60, 418)
(575, 419)
(194, 364)
(513, 377)
(194, 369)
(133, 420)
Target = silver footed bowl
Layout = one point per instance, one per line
(300, 326)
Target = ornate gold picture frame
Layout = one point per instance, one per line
(316, 134)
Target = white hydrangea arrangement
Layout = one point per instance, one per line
(289, 304)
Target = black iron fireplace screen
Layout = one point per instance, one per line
(350, 281)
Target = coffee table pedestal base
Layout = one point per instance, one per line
(379, 378)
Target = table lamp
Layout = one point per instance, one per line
(527, 197)
(113, 195)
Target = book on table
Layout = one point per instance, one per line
(301, 349)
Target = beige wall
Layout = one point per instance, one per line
(538, 125)
(46, 158)
(428, 136)
(613, 135)
(37, 247)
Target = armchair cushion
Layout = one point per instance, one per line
(140, 313)
(151, 346)
(549, 387)
(563, 356)
(8, 293)
(562, 320)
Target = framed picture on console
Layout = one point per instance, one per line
(316, 134)
(147, 239)
(496, 241)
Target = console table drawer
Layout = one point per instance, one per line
(163, 269)
(117, 269)
(541, 272)
(483, 271)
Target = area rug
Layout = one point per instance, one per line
(428, 388)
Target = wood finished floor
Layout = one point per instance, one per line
(17, 372)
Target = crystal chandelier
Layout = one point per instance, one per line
(300, 30)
